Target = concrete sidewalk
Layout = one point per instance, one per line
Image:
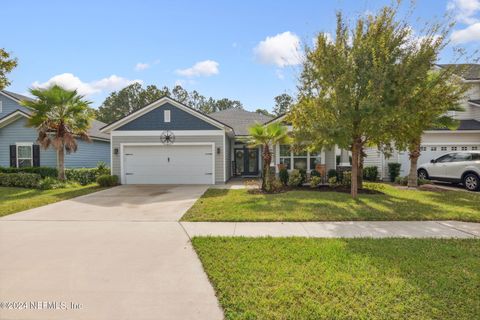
(346, 229)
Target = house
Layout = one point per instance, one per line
(440, 141)
(167, 142)
(18, 146)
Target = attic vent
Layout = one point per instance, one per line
(166, 116)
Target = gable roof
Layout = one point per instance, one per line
(240, 119)
(475, 102)
(15, 96)
(158, 103)
(468, 71)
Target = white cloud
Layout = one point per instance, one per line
(141, 66)
(465, 10)
(280, 74)
(469, 34)
(200, 69)
(282, 50)
(72, 82)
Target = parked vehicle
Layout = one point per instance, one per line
(456, 167)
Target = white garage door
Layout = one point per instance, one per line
(168, 164)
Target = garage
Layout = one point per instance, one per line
(168, 164)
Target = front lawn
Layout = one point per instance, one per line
(393, 204)
(299, 278)
(18, 199)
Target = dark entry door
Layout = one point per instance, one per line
(246, 161)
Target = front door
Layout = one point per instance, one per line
(246, 161)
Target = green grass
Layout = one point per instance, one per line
(299, 278)
(18, 199)
(394, 204)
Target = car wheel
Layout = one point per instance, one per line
(471, 181)
(422, 174)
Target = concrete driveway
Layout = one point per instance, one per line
(115, 254)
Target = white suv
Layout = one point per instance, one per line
(457, 167)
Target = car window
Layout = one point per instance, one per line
(462, 156)
(475, 156)
(445, 158)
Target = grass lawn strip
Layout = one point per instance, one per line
(299, 278)
(19, 199)
(393, 204)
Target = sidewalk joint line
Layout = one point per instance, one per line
(463, 231)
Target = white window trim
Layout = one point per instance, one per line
(23, 144)
(166, 115)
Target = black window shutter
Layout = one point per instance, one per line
(13, 155)
(36, 155)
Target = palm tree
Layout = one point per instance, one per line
(267, 136)
(60, 116)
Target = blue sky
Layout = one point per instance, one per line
(243, 50)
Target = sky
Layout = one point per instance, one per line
(243, 50)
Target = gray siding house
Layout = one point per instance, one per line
(18, 146)
(167, 142)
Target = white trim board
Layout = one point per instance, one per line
(146, 133)
(156, 104)
(12, 117)
(9, 96)
(122, 145)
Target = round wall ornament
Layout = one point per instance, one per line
(167, 137)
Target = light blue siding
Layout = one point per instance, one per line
(87, 155)
(179, 120)
(9, 105)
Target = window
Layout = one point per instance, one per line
(423, 148)
(463, 156)
(300, 160)
(166, 116)
(464, 148)
(454, 148)
(475, 156)
(446, 158)
(24, 155)
(285, 155)
(315, 158)
(474, 148)
(433, 149)
(443, 148)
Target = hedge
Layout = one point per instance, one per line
(22, 180)
(42, 171)
(106, 180)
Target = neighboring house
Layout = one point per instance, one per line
(18, 146)
(168, 142)
(438, 142)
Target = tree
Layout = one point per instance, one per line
(267, 136)
(428, 108)
(352, 88)
(60, 116)
(283, 104)
(264, 112)
(7, 64)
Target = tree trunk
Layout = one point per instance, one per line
(267, 158)
(355, 161)
(414, 154)
(361, 157)
(61, 164)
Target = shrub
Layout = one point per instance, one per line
(303, 173)
(332, 181)
(315, 173)
(283, 175)
(393, 170)
(331, 173)
(102, 168)
(315, 181)
(295, 178)
(42, 171)
(49, 183)
(276, 185)
(403, 181)
(83, 176)
(107, 180)
(22, 180)
(370, 173)
(346, 178)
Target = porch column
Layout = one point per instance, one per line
(330, 159)
(344, 158)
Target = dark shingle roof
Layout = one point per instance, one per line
(466, 125)
(239, 120)
(476, 101)
(16, 95)
(468, 71)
